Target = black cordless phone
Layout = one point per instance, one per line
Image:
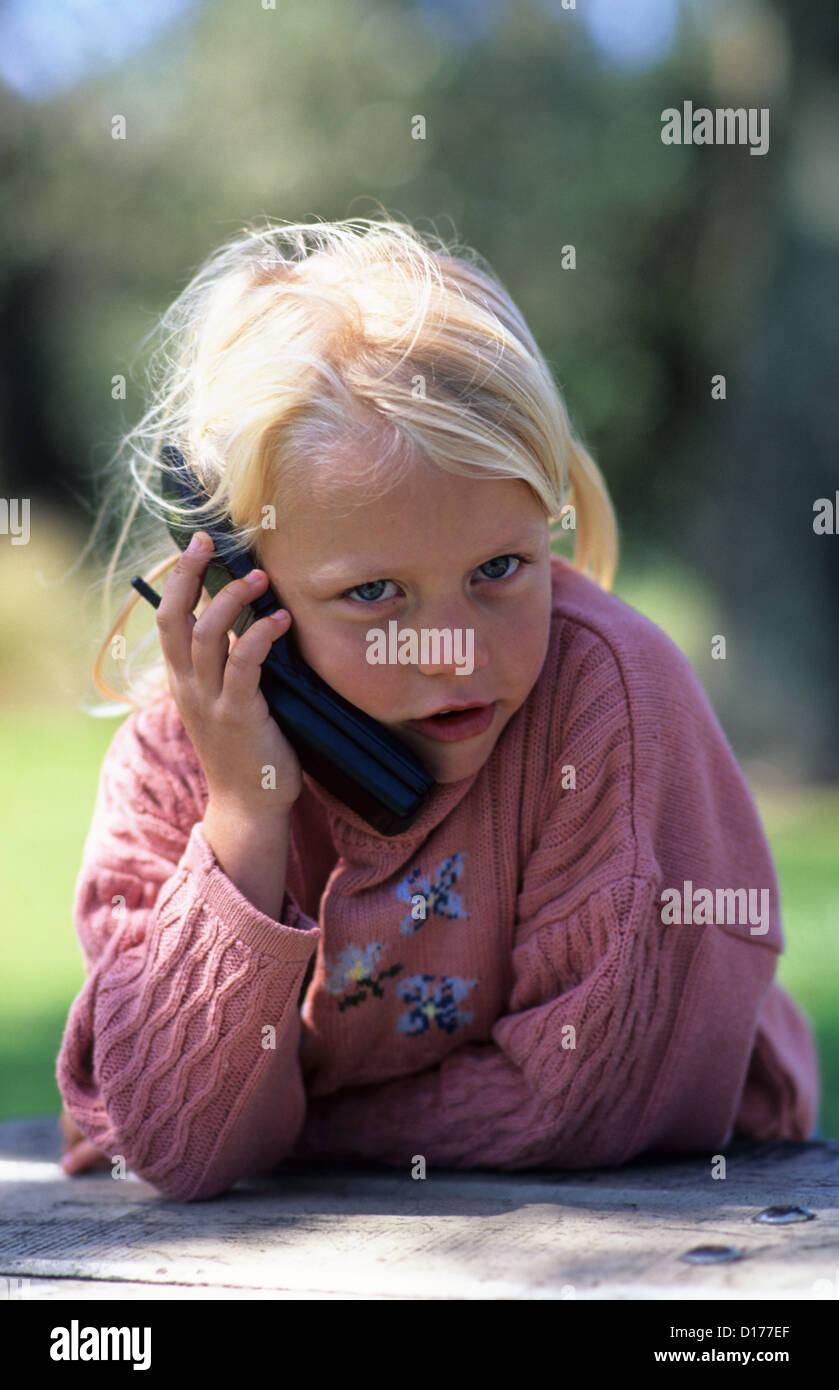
(348, 752)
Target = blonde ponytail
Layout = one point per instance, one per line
(596, 552)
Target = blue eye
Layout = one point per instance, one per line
(372, 591)
(500, 559)
(364, 590)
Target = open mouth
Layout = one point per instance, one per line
(455, 724)
(453, 716)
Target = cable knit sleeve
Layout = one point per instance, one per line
(621, 1034)
(180, 1051)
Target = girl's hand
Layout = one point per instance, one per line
(214, 680)
(78, 1153)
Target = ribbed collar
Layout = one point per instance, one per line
(362, 843)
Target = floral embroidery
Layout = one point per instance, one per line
(433, 1002)
(438, 895)
(357, 968)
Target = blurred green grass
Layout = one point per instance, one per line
(52, 763)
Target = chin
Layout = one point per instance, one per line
(444, 780)
(454, 769)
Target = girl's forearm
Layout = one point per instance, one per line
(253, 853)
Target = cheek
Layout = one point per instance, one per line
(339, 655)
(375, 689)
(525, 652)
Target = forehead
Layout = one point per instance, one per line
(361, 503)
(427, 523)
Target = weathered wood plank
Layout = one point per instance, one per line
(338, 1232)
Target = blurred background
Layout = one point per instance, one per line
(542, 130)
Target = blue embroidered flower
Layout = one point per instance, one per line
(433, 1002)
(356, 968)
(437, 893)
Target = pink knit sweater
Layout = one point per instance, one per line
(541, 1014)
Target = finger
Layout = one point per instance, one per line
(244, 665)
(70, 1132)
(174, 616)
(71, 1161)
(211, 633)
(83, 1156)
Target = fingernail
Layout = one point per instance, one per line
(254, 576)
(196, 544)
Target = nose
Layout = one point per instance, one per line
(447, 650)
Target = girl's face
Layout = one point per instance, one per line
(437, 551)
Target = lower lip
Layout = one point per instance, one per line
(457, 726)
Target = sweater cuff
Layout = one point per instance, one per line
(290, 939)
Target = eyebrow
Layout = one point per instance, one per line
(338, 573)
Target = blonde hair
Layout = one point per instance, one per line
(294, 343)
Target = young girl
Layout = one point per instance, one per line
(507, 983)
